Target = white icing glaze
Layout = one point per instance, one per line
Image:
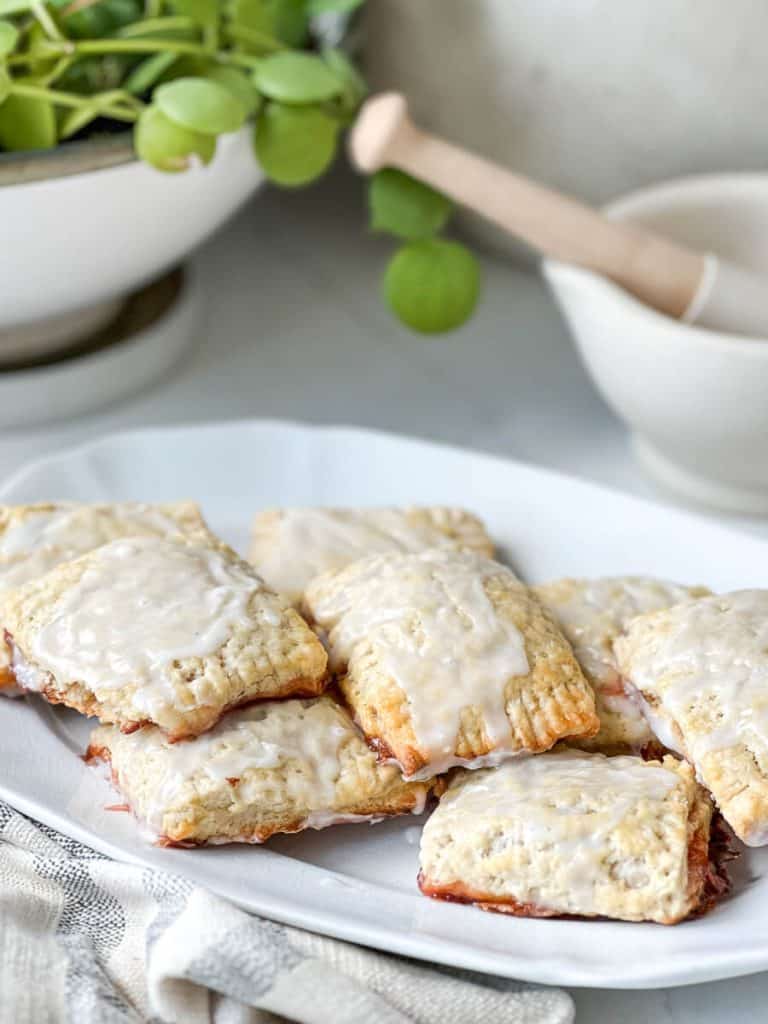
(708, 665)
(439, 638)
(568, 799)
(311, 541)
(593, 613)
(325, 819)
(436, 767)
(303, 738)
(143, 604)
(661, 727)
(44, 539)
(27, 676)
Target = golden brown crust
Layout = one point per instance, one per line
(269, 653)
(593, 613)
(575, 835)
(551, 702)
(700, 669)
(291, 546)
(170, 787)
(46, 534)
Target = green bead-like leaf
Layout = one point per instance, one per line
(333, 6)
(27, 124)
(239, 84)
(285, 20)
(295, 145)
(9, 36)
(296, 78)
(433, 285)
(354, 86)
(167, 145)
(405, 207)
(200, 105)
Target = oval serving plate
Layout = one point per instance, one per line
(359, 882)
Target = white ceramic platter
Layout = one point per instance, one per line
(358, 882)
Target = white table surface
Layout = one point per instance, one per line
(293, 328)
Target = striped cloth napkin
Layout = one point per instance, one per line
(86, 939)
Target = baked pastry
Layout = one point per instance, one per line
(701, 672)
(169, 632)
(592, 614)
(278, 766)
(290, 546)
(572, 833)
(446, 658)
(36, 538)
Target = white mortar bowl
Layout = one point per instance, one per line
(77, 239)
(696, 401)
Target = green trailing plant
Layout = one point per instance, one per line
(181, 73)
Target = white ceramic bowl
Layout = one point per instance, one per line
(696, 401)
(72, 244)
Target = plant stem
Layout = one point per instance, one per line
(57, 70)
(238, 60)
(100, 46)
(104, 46)
(139, 29)
(241, 34)
(69, 99)
(50, 27)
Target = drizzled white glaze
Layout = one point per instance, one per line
(571, 801)
(44, 539)
(311, 541)
(707, 664)
(592, 614)
(27, 676)
(141, 605)
(661, 726)
(300, 737)
(438, 636)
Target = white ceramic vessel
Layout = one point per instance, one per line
(112, 370)
(695, 400)
(71, 244)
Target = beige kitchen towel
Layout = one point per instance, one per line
(88, 940)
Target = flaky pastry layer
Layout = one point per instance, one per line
(264, 650)
(572, 833)
(291, 546)
(446, 658)
(593, 613)
(273, 767)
